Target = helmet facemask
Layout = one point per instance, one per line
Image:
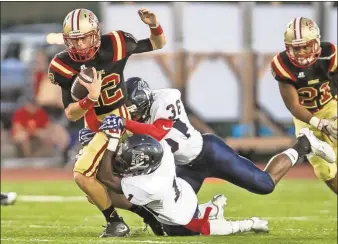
(303, 54)
(302, 42)
(85, 54)
(140, 111)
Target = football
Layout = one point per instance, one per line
(77, 90)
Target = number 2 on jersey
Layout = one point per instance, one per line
(111, 93)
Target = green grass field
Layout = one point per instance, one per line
(299, 211)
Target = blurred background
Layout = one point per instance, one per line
(218, 54)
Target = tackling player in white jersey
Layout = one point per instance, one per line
(185, 141)
(161, 114)
(147, 177)
(208, 155)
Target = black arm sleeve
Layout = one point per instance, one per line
(105, 173)
(143, 46)
(66, 97)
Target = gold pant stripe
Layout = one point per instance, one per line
(93, 167)
(88, 163)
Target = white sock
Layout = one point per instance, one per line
(223, 227)
(202, 207)
(292, 155)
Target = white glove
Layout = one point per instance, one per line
(327, 126)
(332, 128)
(259, 225)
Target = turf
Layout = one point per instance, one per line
(299, 211)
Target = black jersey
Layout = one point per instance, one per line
(116, 47)
(316, 85)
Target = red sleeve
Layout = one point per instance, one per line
(158, 130)
(92, 121)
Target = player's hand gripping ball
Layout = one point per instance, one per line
(78, 91)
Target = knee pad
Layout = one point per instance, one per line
(326, 171)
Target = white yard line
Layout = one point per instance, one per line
(28, 198)
(105, 241)
(158, 242)
(299, 218)
(23, 240)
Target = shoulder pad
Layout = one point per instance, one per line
(165, 104)
(123, 44)
(168, 95)
(119, 45)
(279, 69)
(59, 72)
(332, 55)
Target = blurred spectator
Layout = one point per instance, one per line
(14, 81)
(34, 134)
(39, 69)
(14, 72)
(7, 148)
(47, 95)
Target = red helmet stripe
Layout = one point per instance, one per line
(72, 20)
(297, 28)
(75, 18)
(294, 28)
(300, 28)
(78, 19)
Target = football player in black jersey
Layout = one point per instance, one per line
(307, 76)
(107, 55)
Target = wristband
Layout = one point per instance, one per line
(314, 121)
(87, 103)
(156, 31)
(112, 144)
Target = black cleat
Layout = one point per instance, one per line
(155, 226)
(115, 229)
(302, 146)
